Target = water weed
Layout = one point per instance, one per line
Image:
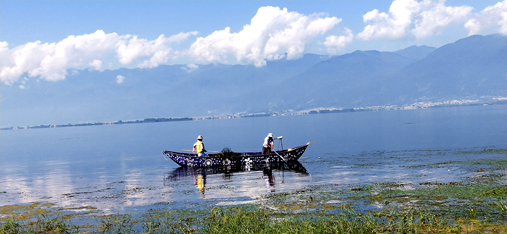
(43, 224)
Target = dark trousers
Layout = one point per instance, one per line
(266, 150)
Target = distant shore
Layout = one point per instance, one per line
(322, 110)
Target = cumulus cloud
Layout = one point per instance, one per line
(273, 33)
(96, 64)
(190, 67)
(492, 17)
(336, 43)
(411, 18)
(72, 52)
(119, 79)
(158, 49)
(4, 46)
(50, 61)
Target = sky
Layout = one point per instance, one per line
(44, 40)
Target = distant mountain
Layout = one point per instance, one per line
(416, 52)
(471, 68)
(341, 81)
(165, 91)
(474, 68)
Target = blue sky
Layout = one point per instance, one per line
(44, 39)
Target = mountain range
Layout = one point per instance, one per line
(471, 68)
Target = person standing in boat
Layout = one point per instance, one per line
(268, 144)
(199, 147)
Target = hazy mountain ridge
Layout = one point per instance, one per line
(416, 52)
(473, 67)
(469, 68)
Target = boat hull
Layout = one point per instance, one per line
(238, 159)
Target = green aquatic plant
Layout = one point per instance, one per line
(43, 224)
(485, 151)
(117, 224)
(253, 219)
(431, 164)
(347, 221)
(11, 226)
(27, 211)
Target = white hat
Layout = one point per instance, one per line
(270, 135)
(199, 137)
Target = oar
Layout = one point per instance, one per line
(206, 151)
(280, 156)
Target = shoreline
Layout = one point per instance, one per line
(322, 110)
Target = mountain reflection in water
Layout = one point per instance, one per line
(201, 176)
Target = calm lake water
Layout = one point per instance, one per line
(120, 168)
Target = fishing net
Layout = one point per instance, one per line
(228, 153)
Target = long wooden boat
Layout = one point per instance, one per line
(235, 159)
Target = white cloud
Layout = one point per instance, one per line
(74, 52)
(492, 17)
(190, 67)
(96, 64)
(50, 61)
(119, 79)
(273, 33)
(23, 82)
(411, 18)
(336, 43)
(24, 58)
(158, 49)
(438, 16)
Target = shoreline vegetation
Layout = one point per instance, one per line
(474, 204)
(419, 105)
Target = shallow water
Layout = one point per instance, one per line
(120, 168)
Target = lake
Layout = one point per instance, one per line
(120, 169)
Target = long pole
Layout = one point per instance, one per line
(206, 151)
(280, 156)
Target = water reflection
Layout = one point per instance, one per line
(225, 175)
(269, 178)
(200, 182)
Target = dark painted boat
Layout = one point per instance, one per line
(235, 159)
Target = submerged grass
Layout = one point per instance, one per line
(485, 151)
(434, 208)
(258, 220)
(43, 224)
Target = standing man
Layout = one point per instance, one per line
(268, 144)
(199, 147)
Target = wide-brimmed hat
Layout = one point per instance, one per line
(199, 137)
